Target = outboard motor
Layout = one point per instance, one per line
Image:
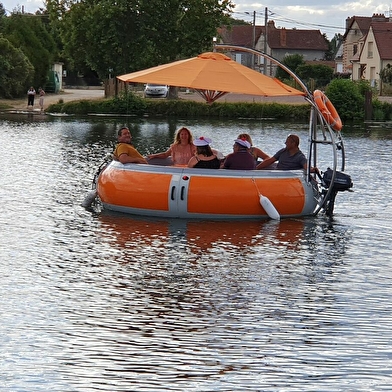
(342, 182)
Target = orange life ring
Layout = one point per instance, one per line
(327, 109)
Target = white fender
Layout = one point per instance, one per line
(269, 207)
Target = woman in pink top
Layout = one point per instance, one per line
(182, 149)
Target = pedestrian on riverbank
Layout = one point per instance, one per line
(41, 93)
(30, 96)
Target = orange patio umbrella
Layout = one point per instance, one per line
(212, 75)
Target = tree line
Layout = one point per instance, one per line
(108, 36)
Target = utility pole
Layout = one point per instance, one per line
(254, 39)
(253, 43)
(265, 38)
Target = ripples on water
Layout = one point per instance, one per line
(106, 302)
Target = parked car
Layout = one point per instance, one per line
(156, 90)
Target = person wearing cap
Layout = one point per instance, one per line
(289, 158)
(255, 151)
(182, 149)
(204, 157)
(240, 159)
(125, 152)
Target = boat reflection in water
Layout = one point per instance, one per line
(138, 234)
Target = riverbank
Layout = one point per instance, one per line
(66, 95)
(75, 94)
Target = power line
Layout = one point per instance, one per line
(280, 18)
(293, 21)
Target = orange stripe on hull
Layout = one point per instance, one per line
(135, 189)
(239, 196)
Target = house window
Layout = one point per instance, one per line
(370, 49)
(355, 49)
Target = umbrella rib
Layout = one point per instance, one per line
(211, 95)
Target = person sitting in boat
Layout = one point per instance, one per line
(125, 152)
(289, 158)
(240, 159)
(255, 151)
(204, 157)
(182, 149)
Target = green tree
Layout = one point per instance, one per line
(291, 61)
(2, 17)
(28, 33)
(125, 36)
(52, 27)
(334, 45)
(15, 70)
(386, 74)
(321, 74)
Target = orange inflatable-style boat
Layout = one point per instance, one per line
(178, 192)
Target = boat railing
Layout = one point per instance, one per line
(320, 132)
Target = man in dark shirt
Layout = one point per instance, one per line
(289, 158)
(240, 158)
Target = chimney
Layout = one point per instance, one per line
(379, 18)
(283, 41)
(271, 24)
(348, 22)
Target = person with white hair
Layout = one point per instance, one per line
(240, 158)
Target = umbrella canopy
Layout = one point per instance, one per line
(212, 75)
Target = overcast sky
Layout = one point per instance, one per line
(328, 16)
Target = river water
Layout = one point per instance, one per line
(96, 301)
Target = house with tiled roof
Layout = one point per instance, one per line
(356, 29)
(311, 44)
(375, 53)
(276, 42)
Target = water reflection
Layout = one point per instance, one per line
(199, 235)
(210, 237)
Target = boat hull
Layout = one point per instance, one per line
(181, 192)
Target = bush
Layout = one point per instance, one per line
(382, 111)
(347, 99)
